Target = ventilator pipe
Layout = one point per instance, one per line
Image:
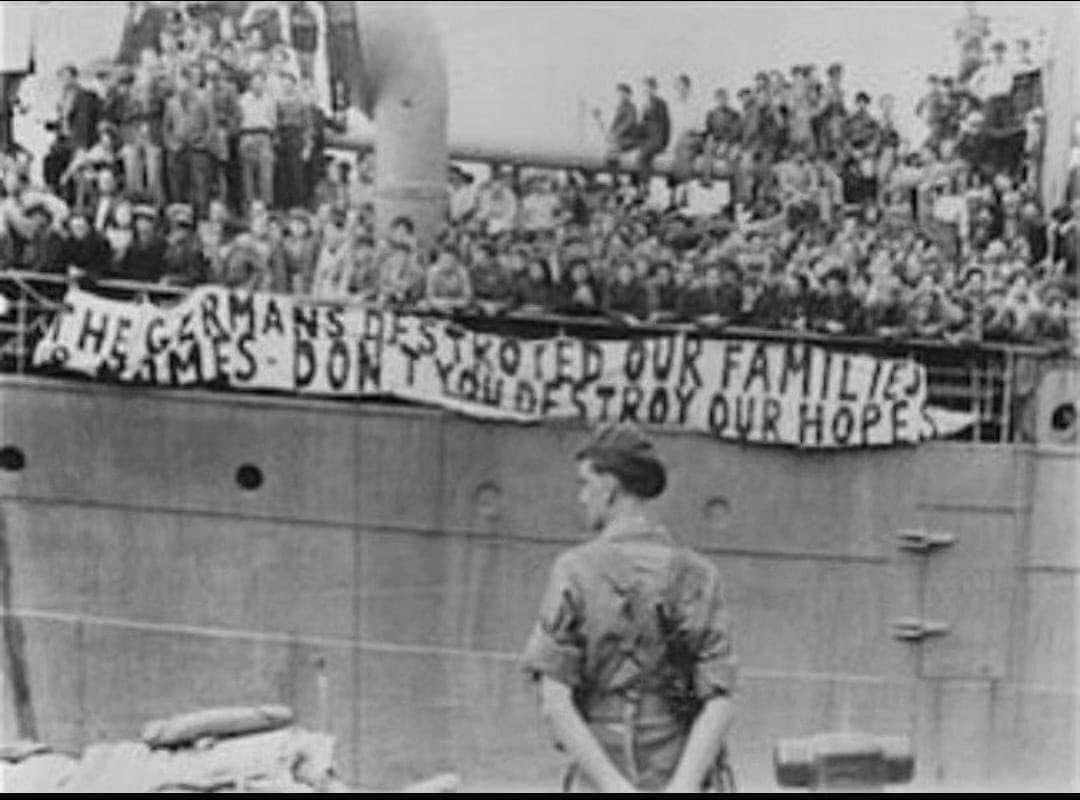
(399, 78)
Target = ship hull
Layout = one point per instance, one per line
(385, 573)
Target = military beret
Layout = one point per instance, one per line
(623, 450)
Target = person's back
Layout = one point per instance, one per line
(632, 649)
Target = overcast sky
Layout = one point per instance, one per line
(521, 73)
(521, 70)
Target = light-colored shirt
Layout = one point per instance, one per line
(993, 80)
(539, 211)
(686, 116)
(257, 112)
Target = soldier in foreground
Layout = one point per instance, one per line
(632, 653)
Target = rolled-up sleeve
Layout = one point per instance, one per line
(716, 667)
(556, 648)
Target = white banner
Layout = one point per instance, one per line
(789, 393)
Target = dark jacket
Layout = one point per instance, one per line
(139, 108)
(632, 298)
(90, 254)
(44, 252)
(624, 127)
(843, 308)
(655, 126)
(724, 125)
(770, 309)
(140, 34)
(82, 119)
(143, 261)
(183, 262)
(699, 300)
(188, 122)
(531, 292)
(663, 296)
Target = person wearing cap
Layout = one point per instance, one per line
(632, 654)
(183, 262)
(144, 258)
(993, 85)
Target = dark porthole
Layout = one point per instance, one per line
(1063, 417)
(249, 477)
(12, 459)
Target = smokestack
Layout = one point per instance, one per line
(397, 72)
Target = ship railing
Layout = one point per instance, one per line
(993, 381)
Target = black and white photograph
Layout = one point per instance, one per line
(525, 397)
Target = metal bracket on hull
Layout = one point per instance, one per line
(922, 540)
(913, 629)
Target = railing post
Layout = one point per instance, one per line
(1008, 375)
(20, 334)
(976, 395)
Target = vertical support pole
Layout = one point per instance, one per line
(1007, 377)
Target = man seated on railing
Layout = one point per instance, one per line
(723, 131)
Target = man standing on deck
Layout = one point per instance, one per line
(632, 654)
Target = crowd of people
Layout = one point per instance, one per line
(199, 158)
